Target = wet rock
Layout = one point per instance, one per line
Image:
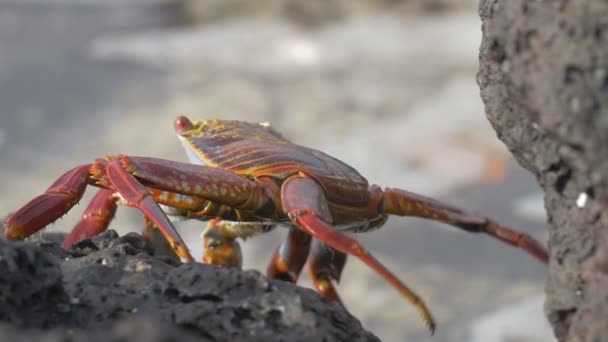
(543, 77)
(109, 289)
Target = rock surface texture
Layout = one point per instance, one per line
(110, 289)
(544, 80)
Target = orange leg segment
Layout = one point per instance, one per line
(325, 266)
(405, 203)
(305, 204)
(289, 258)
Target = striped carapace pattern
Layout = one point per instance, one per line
(255, 150)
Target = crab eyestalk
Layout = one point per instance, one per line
(182, 124)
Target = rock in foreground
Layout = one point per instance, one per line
(109, 289)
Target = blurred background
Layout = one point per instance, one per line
(387, 86)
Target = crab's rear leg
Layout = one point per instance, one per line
(405, 203)
(305, 203)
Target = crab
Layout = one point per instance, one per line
(245, 179)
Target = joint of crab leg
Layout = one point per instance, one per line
(324, 287)
(44, 209)
(138, 196)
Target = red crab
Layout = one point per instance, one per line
(246, 179)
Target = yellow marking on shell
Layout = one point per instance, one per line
(185, 186)
(198, 189)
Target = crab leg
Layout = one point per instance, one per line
(62, 195)
(213, 184)
(289, 258)
(405, 203)
(102, 208)
(190, 182)
(136, 195)
(305, 204)
(324, 265)
(95, 219)
(156, 243)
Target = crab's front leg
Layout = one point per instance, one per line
(196, 182)
(129, 178)
(44, 209)
(110, 173)
(305, 203)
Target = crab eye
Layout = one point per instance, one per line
(182, 124)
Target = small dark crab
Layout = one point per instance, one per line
(246, 178)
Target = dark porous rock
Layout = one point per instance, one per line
(544, 81)
(109, 289)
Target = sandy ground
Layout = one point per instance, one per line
(394, 96)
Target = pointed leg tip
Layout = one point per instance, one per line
(544, 258)
(432, 326)
(186, 260)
